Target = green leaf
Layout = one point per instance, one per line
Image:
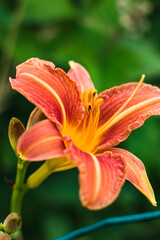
(40, 11)
(127, 60)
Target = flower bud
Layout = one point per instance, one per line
(15, 130)
(35, 116)
(4, 236)
(12, 223)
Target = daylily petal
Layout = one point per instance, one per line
(80, 75)
(136, 173)
(145, 103)
(101, 177)
(51, 90)
(40, 142)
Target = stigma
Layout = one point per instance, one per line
(120, 113)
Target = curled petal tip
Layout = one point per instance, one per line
(154, 204)
(71, 63)
(136, 174)
(152, 200)
(80, 75)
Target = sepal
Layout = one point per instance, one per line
(15, 130)
(35, 116)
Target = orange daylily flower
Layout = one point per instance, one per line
(82, 128)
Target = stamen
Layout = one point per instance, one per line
(111, 121)
(91, 127)
(94, 93)
(97, 104)
(83, 96)
(83, 135)
(89, 108)
(90, 96)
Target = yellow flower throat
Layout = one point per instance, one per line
(83, 136)
(87, 135)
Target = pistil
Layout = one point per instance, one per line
(116, 117)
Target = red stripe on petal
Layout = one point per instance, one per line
(101, 177)
(80, 75)
(49, 89)
(40, 142)
(144, 104)
(136, 173)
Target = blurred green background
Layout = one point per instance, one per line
(117, 41)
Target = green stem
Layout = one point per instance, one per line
(19, 188)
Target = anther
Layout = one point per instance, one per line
(89, 108)
(90, 96)
(94, 93)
